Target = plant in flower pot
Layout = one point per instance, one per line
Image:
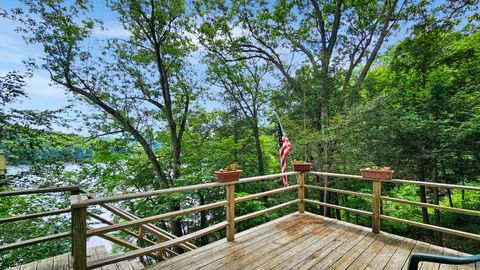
(301, 166)
(229, 174)
(379, 173)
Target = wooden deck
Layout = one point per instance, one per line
(64, 262)
(307, 241)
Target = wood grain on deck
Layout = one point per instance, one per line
(65, 262)
(307, 241)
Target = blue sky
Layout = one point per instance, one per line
(13, 51)
(42, 94)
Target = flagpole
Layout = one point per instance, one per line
(285, 148)
(280, 123)
(278, 119)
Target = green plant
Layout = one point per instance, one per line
(230, 168)
(377, 168)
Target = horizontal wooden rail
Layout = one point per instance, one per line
(176, 190)
(432, 227)
(124, 243)
(358, 211)
(264, 211)
(434, 206)
(108, 222)
(166, 244)
(398, 181)
(376, 197)
(398, 200)
(266, 193)
(151, 219)
(338, 175)
(349, 192)
(39, 191)
(34, 241)
(35, 215)
(431, 184)
(149, 227)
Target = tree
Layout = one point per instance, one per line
(415, 110)
(134, 84)
(321, 35)
(25, 138)
(330, 38)
(243, 84)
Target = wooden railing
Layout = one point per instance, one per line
(377, 199)
(80, 204)
(73, 190)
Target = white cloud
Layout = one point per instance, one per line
(113, 31)
(40, 87)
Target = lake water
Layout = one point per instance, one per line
(92, 241)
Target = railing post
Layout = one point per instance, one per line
(301, 192)
(140, 242)
(79, 236)
(230, 212)
(376, 201)
(3, 170)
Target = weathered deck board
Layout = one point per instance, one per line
(398, 259)
(419, 247)
(307, 241)
(368, 254)
(216, 250)
(382, 258)
(65, 262)
(428, 265)
(317, 259)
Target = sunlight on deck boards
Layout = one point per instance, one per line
(64, 262)
(307, 241)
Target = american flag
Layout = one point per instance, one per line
(285, 148)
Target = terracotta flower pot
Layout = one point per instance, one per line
(228, 176)
(301, 167)
(377, 174)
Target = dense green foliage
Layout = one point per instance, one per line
(346, 101)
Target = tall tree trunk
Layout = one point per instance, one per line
(324, 120)
(203, 219)
(449, 192)
(236, 135)
(258, 147)
(336, 200)
(326, 195)
(423, 199)
(438, 235)
(175, 223)
(320, 195)
(423, 196)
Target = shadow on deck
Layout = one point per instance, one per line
(308, 241)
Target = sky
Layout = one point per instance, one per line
(42, 95)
